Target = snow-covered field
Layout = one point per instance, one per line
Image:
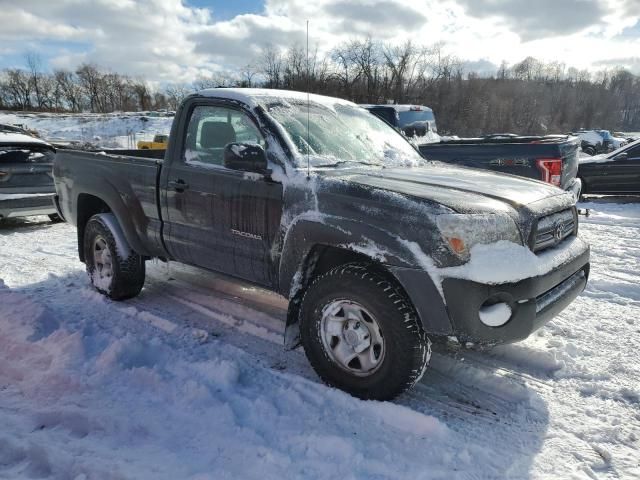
(190, 381)
(113, 130)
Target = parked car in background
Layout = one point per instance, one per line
(615, 173)
(552, 159)
(26, 181)
(594, 142)
(318, 200)
(159, 143)
(412, 120)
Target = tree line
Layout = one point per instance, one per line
(529, 97)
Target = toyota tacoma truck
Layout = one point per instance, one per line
(378, 250)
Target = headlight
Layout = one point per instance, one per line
(461, 232)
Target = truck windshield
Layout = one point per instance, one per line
(606, 134)
(341, 133)
(412, 116)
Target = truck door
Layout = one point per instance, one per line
(217, 218)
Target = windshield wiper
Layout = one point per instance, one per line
(342, 162)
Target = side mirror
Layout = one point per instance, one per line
(621, 156)
(247, 157)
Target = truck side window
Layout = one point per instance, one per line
(212, 128)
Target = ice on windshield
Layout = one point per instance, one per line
(339, 134)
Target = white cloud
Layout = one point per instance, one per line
(166, 40)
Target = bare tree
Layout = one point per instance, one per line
(271, 66)
(175, 94)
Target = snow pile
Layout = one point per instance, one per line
(92, 392)
(189, 380)
(429, 137)
(495, 315)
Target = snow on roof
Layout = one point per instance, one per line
(399, 108)
(258, 96)
(9, 138)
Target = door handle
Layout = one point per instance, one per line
(178, 185)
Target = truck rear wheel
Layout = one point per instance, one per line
(361, 334)
(114, 269)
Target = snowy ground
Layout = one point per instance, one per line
(190, 381)
(113, 130)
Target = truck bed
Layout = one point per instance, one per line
(512, 154)
(126, 180)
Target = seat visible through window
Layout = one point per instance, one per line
(211, 129)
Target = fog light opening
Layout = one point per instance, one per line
(495, 315)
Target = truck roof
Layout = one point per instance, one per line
(258, 96)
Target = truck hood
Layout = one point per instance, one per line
(456, 186)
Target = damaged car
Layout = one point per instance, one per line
(26, 179)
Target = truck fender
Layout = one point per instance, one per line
(124, 207)
(380, 247)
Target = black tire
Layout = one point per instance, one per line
(407, 349)
(589, 151)
(55, 218)
(127, 274)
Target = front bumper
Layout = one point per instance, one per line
(533, 302)
(26, 205)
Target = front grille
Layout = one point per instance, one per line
(554, 228)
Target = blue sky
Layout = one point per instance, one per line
(181, 40)
(226, 10)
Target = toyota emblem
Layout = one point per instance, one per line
(558, 230)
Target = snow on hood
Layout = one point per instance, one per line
(11, 138)
(600, 158)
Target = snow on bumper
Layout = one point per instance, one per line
(535, 287)
(450, 301)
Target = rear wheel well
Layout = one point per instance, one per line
(88, 206)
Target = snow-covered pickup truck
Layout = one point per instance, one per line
(377, 249)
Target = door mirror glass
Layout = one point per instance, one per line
(247, 157)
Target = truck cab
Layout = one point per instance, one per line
(413, 120)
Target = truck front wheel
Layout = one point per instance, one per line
(361, 334)
(114, 269)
